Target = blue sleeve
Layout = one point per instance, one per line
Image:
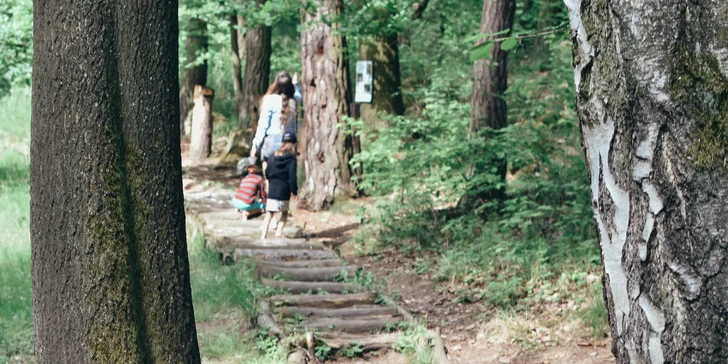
(266, 112)
(298, 95)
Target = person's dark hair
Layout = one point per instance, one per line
(283, 85)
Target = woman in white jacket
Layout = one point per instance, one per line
(277, 115)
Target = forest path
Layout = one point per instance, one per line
(319, 300)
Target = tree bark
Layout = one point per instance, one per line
(201, 134)
(383, 51)
(325, 82)
(652, 98)
(235, 59)
(490, 81)
(195, 44)
(109, 258)
(257, 72)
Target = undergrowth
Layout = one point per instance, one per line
(533, 248)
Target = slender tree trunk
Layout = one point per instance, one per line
(652, 96)
(110, 271)
(201, 133)
(195, 44)
(257, 72)
(235, 58)
(325, 82)
(490, 83)
(387, 98)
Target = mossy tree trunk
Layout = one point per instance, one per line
(652, 98)
(257, 72)
(490, 81)
(195, 46)
(383, 51)
(109, 259)
(325, 82)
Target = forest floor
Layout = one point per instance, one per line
(473, 332)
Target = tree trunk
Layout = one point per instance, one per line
(325, 82)
(235, 58)
(201, 134)
(652, 95)
(110, 271)
(257, 73)
(387, 98)
(490, 81)
(195, 45)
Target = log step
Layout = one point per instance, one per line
(313, 274)
(339, 341)
(352, 326)
(284, 254)
(357, 311)
(297, 287)
(324, 300)
(230, 244)
(302, 263)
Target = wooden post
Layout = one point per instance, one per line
(201, 133)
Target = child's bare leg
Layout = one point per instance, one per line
(266, 222)
(244, 216)
(281, 223)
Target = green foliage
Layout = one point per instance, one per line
(353, 350)
(520, 250)
(322, 352)
(16, 43)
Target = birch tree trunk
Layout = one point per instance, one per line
(195, 44)
(490, 81)
(257, 72)
(652, 94)
(325, 82)
(235, 59)
(109, 259)
(201, 133)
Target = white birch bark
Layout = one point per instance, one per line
(652, 98)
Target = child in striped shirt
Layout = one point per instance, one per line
(245, 198)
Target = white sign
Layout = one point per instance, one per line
(364, 82)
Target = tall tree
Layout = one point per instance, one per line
(235, 60)
(257, 71)
(326, 96)
(383, 51)
(652, 98)
(195, 71)
(490, 81)
(109, 259)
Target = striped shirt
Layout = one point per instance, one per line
(249, 187)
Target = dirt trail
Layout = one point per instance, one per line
(345, 312)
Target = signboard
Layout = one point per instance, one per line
(364, 82)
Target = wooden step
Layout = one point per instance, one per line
(284, 254)
(297, 287)
(313, 274)
(323, 300)
(347, 312)
(303, 263)
(351, 325)
(233, 243)
(368, 342)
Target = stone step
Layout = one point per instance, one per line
(231, 244)
(303, 263)
(297, 287)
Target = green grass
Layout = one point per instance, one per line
(16, 325)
